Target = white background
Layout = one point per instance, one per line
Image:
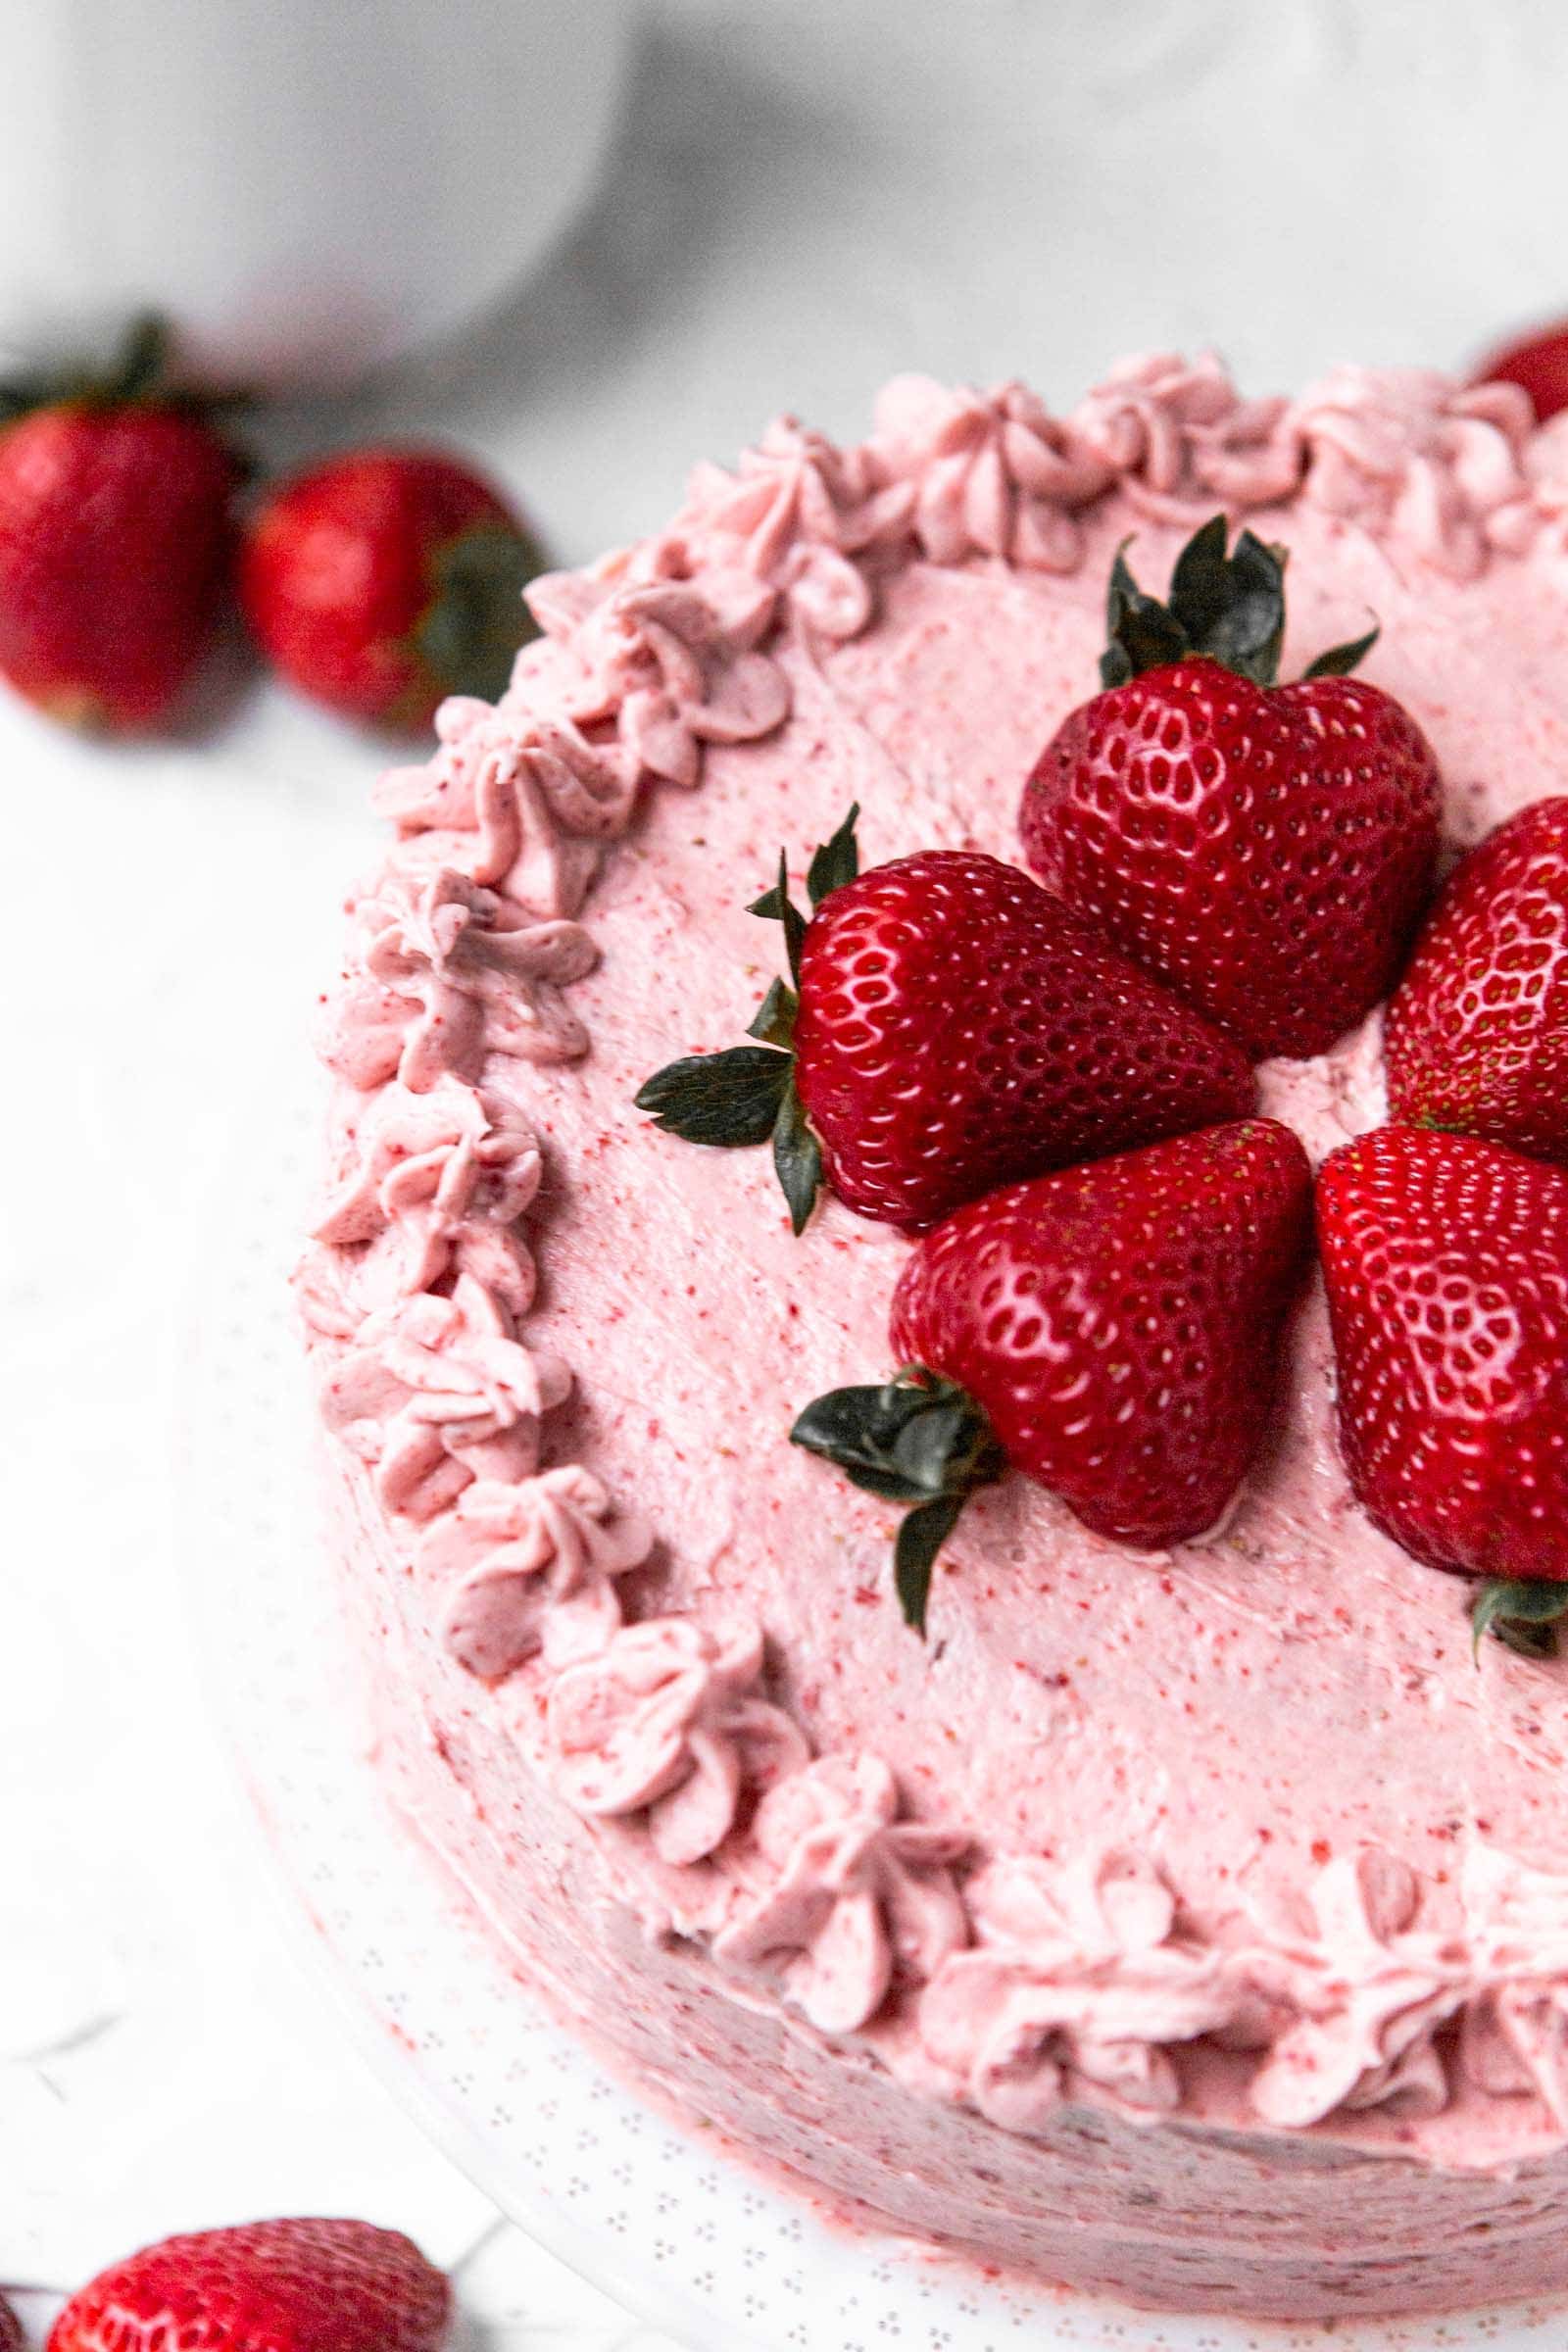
(806, 198)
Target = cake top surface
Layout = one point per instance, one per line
(1241, 1829)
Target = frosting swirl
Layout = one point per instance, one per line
(1177, 437)
(531, 1567)
(990, 473)
(449, 973)
(668, 1722)
(433, 1184)
(518, 812)
(1086, 1978)
(852, 1893)
(1416, 459)
(435, 1392)
(796, 513)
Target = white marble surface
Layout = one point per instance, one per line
(806, 198)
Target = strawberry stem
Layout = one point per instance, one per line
(835, 862)
(140, 365)
(1522, 1613)
(471, 632)
(747, 1095)
(918, 1439)
(1228, 609)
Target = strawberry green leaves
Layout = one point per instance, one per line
(837, 861)
(731, 1098)
(918, 1440)
(1523, 1614)
(1224, 608)
(1338, 661)
(747, 1096)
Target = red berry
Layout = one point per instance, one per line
(1478, 1031)
(11, 2336)
(1539, 362)
(1265, 851)
(1445, 1259)
(274, 2286)
(958, 1028)
(114, 546)
(385, 579)
(1119, 1323)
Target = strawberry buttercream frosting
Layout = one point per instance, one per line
(1191, 1925)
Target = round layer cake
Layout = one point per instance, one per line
(1192, 1925)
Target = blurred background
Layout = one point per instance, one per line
(586, 244)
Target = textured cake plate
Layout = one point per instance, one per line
(682, 2234)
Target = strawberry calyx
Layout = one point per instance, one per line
(1224, 608)
(476, 622)
(916, 1439)
(747, 1095)
(137, 374)
(1523, 1613)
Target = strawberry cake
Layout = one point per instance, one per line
(969, 1620)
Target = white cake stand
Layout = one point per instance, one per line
(677, 2231)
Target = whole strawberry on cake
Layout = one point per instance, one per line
(942, 1304)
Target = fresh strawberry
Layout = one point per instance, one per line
(274, 2286)
(951, 1027)
(1110, 1331)
(1476, 1034)
(1264, 850)
(1447, 1264)
(1539, 362)
(386, 579)
(116, 539)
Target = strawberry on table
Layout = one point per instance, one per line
(116, 539)
(382, 580)
(951, 1026)
(1445, 1259)
(1110, 1331)
(1265, 851)
(1537, 362)
(272, 2286)
(1476, 1034)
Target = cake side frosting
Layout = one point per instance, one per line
(1002, 1976)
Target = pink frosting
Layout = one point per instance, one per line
(433, 1184)
(449, 974)
(1438, 468)
(1076, 1982)
(530, 1567)
(667, 1722)
(1056, 1960)
(796, 515)
(437, 1392)
(1441, 471)
(850, 1892)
